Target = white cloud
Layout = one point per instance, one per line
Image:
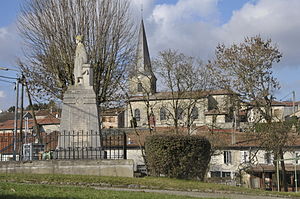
(2, 94)
(9, 45)
(275, 19)
(146, 5)
(3, 32)
(191, 26)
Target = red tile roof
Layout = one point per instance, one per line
(219, 138)
(9, 124)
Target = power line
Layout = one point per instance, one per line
(285, 96)
(8, 77)
(7, 81)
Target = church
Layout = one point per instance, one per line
(147, 107)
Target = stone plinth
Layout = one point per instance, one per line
(79, 116)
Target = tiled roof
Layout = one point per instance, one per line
(9, 124)
(271, 168)
(285, 103)
(183, 95)
(215, 112)
(6, 116)
(219, 138)
(112, 111)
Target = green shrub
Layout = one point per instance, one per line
(177, 156)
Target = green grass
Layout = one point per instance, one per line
(24, 191)
(147, 182)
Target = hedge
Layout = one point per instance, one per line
(177, 156)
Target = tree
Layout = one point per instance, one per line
(49, 28)
(51, 105)
(246, 70)
(186, 80)
(11, 109)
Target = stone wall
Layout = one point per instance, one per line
(120, 168)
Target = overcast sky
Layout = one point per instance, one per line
(193, 27)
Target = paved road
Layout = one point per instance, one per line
(196, 194)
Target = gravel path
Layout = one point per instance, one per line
(196, 194)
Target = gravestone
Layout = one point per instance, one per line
(79, 110)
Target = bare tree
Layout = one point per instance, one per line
(49, 28)
(186, 80)
(246, 69)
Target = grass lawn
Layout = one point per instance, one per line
(25, 191)
(147, 182)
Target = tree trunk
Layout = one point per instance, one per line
(283, 172)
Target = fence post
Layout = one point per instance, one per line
(124, 146)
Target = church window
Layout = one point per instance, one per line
(163, 114)
(179, 113)
(140, 87)
(137, 114)
(195, 113)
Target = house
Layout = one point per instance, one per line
(46, 125)
(113, 118)
(280, 111)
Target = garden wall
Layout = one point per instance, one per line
(120, 168)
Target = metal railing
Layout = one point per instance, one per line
(109, 144)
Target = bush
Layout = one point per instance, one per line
(177, 156)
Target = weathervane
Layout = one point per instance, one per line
(142, 9)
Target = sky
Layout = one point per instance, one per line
(193, 27)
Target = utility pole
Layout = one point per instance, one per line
(21, 116)
(294, 103)
(16, 121)
(37, 128)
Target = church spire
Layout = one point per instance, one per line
(143, 57)
(142, 79)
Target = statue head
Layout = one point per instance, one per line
(79, 39)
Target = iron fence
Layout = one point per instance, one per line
(107, 144)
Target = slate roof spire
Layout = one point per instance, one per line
(143, 57)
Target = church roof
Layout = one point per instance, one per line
(183, 95)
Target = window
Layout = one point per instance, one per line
(137, 114)
(140, 87)
(268, 158)
(244, 156)
(179, 113)
(227, 157)
(215, 174)
(226, 174)
(163, 113)
(195, 113)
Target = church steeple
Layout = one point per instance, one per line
(143, 57)
(143, 79)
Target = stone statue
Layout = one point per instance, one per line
(80, 60)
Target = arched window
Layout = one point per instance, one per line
(137, 114)
(163, 113)
(179, 113)
(194, 114)
(140, 87)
